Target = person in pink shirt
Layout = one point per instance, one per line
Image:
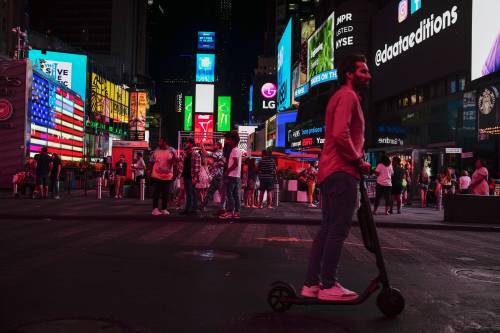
(340, 165)
(479, 182)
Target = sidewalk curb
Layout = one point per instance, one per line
(258, 220)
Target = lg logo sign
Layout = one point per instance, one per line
(268, 91)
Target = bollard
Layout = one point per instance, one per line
(277, 194)
(142, 189)
(14, 189)
(99, 187)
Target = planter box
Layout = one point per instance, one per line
(467, 208)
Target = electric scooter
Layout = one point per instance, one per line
(390, 301)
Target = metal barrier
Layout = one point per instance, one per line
(99, 187)
(277, 194)
(142, 189)
(14, 189)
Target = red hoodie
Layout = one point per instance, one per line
(344, 135)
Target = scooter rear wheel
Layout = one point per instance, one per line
(276, 298)
(390, 302)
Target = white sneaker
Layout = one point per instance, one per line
(156, 212)
(337, 293)
(165, 212)
(310, 292)
(312, 206)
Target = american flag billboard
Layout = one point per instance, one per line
(56, 115)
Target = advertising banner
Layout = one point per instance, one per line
(206, 40)
(203, 128)
(485, 38)
(285, 68)
(188, 113)
(139, 104)
(56, 120)
(416, 40)
(204, 98)
(320, 49)
(108, 99)
(488, 106)
(67, 68)
(223, 113)
(205, 67)
(470, 111)
(306, 30)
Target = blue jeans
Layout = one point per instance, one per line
(339, 192)
(191, 201)
(232, 187)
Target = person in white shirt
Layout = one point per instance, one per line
(139, 167)
(232, 176)
(384, 172)
(464, 182)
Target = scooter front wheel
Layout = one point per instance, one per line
(390, 302)
(277, 298)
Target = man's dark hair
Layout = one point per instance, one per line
(233, 135)
(44, 149)
(385, 160)
(396, 160)
(348, 65)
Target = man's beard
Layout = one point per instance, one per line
(360, 85)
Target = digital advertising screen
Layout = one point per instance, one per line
(488, 106)
(204, 99)
(417, 42)
(188, 113)
(485, 57)
(223, 113)
(205, 67)
(203, 127)
(285, 68)
(109, 99)
(306, 30)
(206, 40)
(320, 48)
(67, 68)
(56, 120)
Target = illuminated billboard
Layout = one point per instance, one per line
(205, 67)
(108, 99)
(56, 120)
(285, 68)
(485, 38)
(67, 68)
(139, 104)
(188, 113)
(204, 99)
(203, 128)
(223, 113)
(320, 49)
(206, 40)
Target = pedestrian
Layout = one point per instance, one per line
(252, 181)
(384, 172)
(267, 178)
(479, 180)
(163, 165)
(310, 175)
(397, 179)
(139, 167)
(244, 180)
(438, 191)
(446, 181)
(191, 162)
(216, 171)
(423, 181)
(54, 175)
(43, 170)
(232, 174)
(339, 172)
(464, 182)
(120, 175)
(204, 182)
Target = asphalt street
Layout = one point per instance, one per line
(163, 276)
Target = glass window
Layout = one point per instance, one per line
(461, 84)
(413, 98)
(452, 86)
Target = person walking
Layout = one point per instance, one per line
(340, 165)
(397, 184)
(310, 175)
(191, 161)
(232, 174)
(252, 181)
(203, 183)
(479, 181)
(267, 178)
(163, 160)
(464, 182)
(55, 173)
(216, 171)
(383, 188)
(423, 181)
(120, 174)
(43, 171)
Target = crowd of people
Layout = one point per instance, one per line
(394, 181)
